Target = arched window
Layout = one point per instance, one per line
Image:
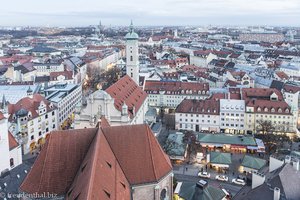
(11, 161)
(164, 195)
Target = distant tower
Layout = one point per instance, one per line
(100, 31)
(132, 54)
(175, 33)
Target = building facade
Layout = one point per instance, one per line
(11, 154)
(122, 103)
(132, 54)
(31, 119)
(65, 97)
(169, 94)
(198, 115)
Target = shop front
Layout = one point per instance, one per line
(238, 148)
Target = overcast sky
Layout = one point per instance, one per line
(149, 12)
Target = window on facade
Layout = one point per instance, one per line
(11, 162)
(46, 116)
(32, 137)
(131, 58)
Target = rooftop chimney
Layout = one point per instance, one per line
(276, 193)
(296, 164)
(275, 163)
(202, 184)
(257, 179)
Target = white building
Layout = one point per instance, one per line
(267, 105)
(11, 154)
(46, 68)
(65, 97)
(132, 55)
(122, 103)
(202, 58)
(232, 115)
(31, 119)
(169, 94)
(198, 115)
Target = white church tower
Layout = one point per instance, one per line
(132, 54)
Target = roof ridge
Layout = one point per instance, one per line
(49, 139)
(114, 152)
(149, 142)
(95, 153)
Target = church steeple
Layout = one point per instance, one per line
(132, 54)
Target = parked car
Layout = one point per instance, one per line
(222, 178)
(238, 181)
(204, 174)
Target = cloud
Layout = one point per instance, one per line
(154, 12)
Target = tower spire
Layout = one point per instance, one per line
(131, 26)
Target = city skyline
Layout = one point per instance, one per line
(167, 12)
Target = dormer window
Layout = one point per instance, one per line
(266, 109)
(258, 109)
(287, 110)
(279, 110)
(273, 110)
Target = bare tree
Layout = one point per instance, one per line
(265, 126)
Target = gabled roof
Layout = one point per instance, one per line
(176, 87)
(208, 106)
(29, 104)
(96, 163)
(253, 162)
(125, 90)
(12, 141)
(147, 162)
(220, 158)
(190, 191)
(57, 164)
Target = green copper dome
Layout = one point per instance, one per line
(131, 35)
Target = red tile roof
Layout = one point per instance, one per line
(176, 87)
(282, 75)
(260, 93)
(266, 106)
(291, 88)
(208, 106)
(104, 122)
(202, 53)
(147, 162)
(127, 91)
(57, 164)
(12, 141)
(29, 104)
(67, 74)
(1, 116)
(97, 163)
